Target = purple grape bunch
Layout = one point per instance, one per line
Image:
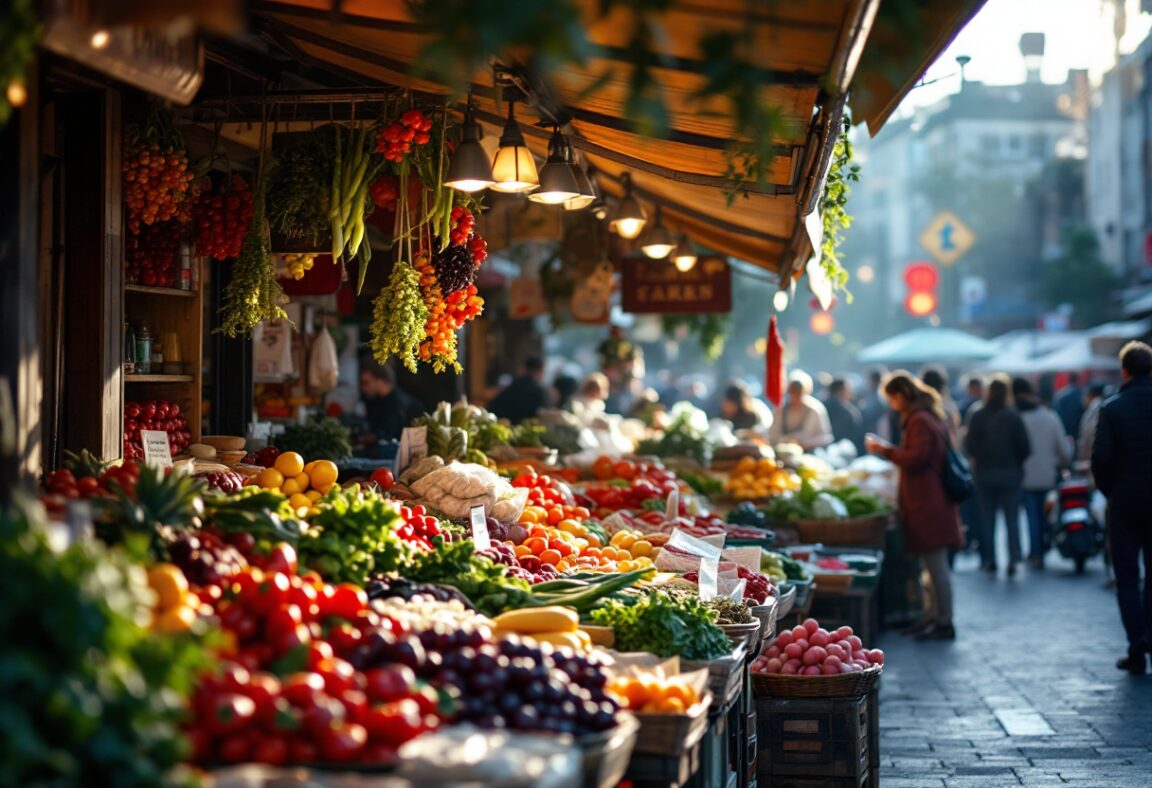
(455, 268)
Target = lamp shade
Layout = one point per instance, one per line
(587, 193)
(629, 219)
(513, 168)
(470, 169)
(658, 243)
(557, 179)
(683, 256)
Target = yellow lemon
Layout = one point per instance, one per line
(313, 495)
(169, 584)
(290, 464)
(299, 501)
(323, 474)
(270, 479)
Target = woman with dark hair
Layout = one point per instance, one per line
(997, 444)
(936, 378)
(930, 520)
(738, 408)
(1050, 452)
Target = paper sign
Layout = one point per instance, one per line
(709, 573)
(690, 544)
(480, 535)
(157, 452)
(413, 446)
(673, 510)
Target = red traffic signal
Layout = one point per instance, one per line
(920, 304)
(921, 276)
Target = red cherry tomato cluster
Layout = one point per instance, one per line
(396, 139)
(223, 218)
(152, 256)
(419, 526)
(154, 415)
(62, 485)
(463, 225)
(157, 182)
(385, 191)
(289, 691)
(552, 495)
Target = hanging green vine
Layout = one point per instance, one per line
(19, 32)
(710, 330)
(834, 207)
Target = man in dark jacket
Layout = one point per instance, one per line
(1122, 467)
(524, 396)
(843, 415)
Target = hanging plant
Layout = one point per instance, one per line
(253, 294)
(19, 33)
(710, 330)
(299, 187)
(158, 181)
(834, 207)
(399, 317)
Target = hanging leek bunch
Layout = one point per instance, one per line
(253, 294)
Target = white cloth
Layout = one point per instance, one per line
(1050, 450)
(810, 428)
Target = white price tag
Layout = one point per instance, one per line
(709, 578)
(157, 452)
(480, 536)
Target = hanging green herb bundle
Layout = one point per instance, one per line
(298, 187)
(253, 294)
(398, 318)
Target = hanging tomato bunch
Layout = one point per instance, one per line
(396, 139)
(157, 182)
(152, 256)
(223, 218)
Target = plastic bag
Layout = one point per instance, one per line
(323, 364)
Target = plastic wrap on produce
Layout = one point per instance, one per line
(464, 754)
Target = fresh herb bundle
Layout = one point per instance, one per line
(666, 625)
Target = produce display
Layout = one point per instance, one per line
(154, 414)
(157, 178)
(684, 436)
(781, 567)
(808, 502)
(654, 695)
(152, 256)
(760, 478)
(809, 650)
(666, 625)
(222, 217)
(301, 483)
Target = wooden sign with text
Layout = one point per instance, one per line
(657, 287)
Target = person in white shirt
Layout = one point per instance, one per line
(802, 418)
(1050, 452)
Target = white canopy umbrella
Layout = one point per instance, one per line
(924, 345)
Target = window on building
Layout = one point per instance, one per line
(989, 144)
(1015, 144)
(1039, 144)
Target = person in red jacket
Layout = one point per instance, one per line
(931, 521)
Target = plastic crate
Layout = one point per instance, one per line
(813, 739)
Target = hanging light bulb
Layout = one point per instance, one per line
(558, 182)
(587, 194)
(513, 169)
(629, 219)
(683, 256)
(780, 300)
(659, 242)
(470, 169)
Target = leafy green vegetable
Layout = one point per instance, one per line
(483, 581)
(666, 625)
(352, 537)
(685, 436)
(806, 503)
(701, 482)
(528, 434)
(88, 695)
(320, 439)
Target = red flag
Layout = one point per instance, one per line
(774, 357)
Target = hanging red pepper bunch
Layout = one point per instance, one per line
(222, 219)
(397, 139)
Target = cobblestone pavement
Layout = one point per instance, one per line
(1028, 694)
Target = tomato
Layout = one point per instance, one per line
(345, 601)
(390, 683)
(603, 468)
(234, 677)
(289, 640)
(427, 698)
(625, 470)
(344, 637)
(324, 713)
(229, 712)
(273, 592)
(272, 750)
(339, 676)
(319, 652)
(263, 689)
(235, 618)
(378, 754)
(282, 718)
(235, 749)
(355, 704)
(343, 743)
(301, 689)
(303, 750)
(281, 620)
(395, 723)
(88, 486)
(281, 558)
(383, 478)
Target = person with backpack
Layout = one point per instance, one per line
(997, 443)
(929, 516)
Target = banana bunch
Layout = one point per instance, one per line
(299, 264)
(559, 626)
(353, 170)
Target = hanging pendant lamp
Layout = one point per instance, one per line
(629, 219)
(470, 169)
(587, 194)
(684, 256)
(513, 168)
(659, 242)
(558, 182)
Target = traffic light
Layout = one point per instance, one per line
(921, 279)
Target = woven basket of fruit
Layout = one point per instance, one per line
(843, 685)
(673, 734)
(809, 661)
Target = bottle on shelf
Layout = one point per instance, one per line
(185, 281)
(143, 351)
(129, 349)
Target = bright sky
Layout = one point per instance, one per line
(1078, 34)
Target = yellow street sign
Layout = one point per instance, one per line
(947, 238)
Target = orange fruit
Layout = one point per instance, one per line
(170, 585)
(633, 692)
(313, 495)
(270, 479)
(323, 473)
(671, 706)
(536, 544)
(289, 463)
(522, 551)
(640, 547)
(298, 501)
(682, 692)
(592, 538)
(325, 488)
(560, 546)
(550, 557)
(290, 487)
(177, 619)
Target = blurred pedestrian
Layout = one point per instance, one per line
(523, 397)
(973, 395)
(1050, 452)
(936, 379)
(1122, 467)
(802, 418)
(388, 409)
(1093, 400)
(930, 520)
(997, 444)
(872, 404)
(593, 392)
(846, 421)
(739, 407)
(1069, 404)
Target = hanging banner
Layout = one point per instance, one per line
(658, 287)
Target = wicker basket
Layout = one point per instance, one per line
(606, 755)
(672, 734)
(844, 685)
(748, 634)
(853, 532)
(766, 613)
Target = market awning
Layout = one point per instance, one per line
(810, 51)
(924, 345)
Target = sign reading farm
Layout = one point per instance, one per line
(657, 286)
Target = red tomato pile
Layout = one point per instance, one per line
(156, 184)
(289, 692)
(396, 139)
(419, 526)
(154, 415)
(152, 256)
(223, 218)
(551, 495)
(810, 650)
(62, 484)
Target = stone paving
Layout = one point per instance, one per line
(1028, 694)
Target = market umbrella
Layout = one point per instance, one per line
(922, 345)
(774, 358)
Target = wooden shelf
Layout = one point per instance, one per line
(158, 379)
(160, 291)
